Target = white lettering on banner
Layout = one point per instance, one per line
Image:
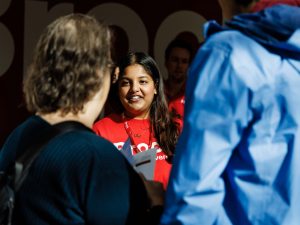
(4, 4)
(37, 17)
(124, 17)
(173, 25)
(7, 44)
(7, 47)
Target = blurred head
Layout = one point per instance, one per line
(178, 56)
(139, 85)
(231, 8)
(70, 66)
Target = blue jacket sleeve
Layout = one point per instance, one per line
(215, 109)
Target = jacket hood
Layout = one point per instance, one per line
(271, 27)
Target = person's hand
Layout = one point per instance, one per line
(156, 195)
(155, 191)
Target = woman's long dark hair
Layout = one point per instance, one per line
(166, 130)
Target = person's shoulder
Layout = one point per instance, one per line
(240, 50)
(24, 133)
(94, 147)
(97, 143)
(235, 43)
(82, 152)
(31, 124)
(83, 142)
(227, 39)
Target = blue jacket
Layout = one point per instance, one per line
(238, 158)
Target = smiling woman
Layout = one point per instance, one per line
(136, 91)
(142, 114)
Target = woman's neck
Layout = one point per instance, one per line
(128, 115)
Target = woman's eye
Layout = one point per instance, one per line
(125, 83)
(143, 82)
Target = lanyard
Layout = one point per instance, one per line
(130, 135)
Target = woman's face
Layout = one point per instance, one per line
(136, 91)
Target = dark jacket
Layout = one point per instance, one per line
(78, 178)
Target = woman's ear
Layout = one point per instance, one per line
(156, 87)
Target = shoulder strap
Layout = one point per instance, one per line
(25, 160)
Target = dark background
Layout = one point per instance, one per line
(16, 22)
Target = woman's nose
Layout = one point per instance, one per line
(135, 87)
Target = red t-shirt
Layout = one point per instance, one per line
(112, 128)
(177, 104)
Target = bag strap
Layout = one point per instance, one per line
(25, 160)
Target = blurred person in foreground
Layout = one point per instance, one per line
(237, 160)
(78, 178)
